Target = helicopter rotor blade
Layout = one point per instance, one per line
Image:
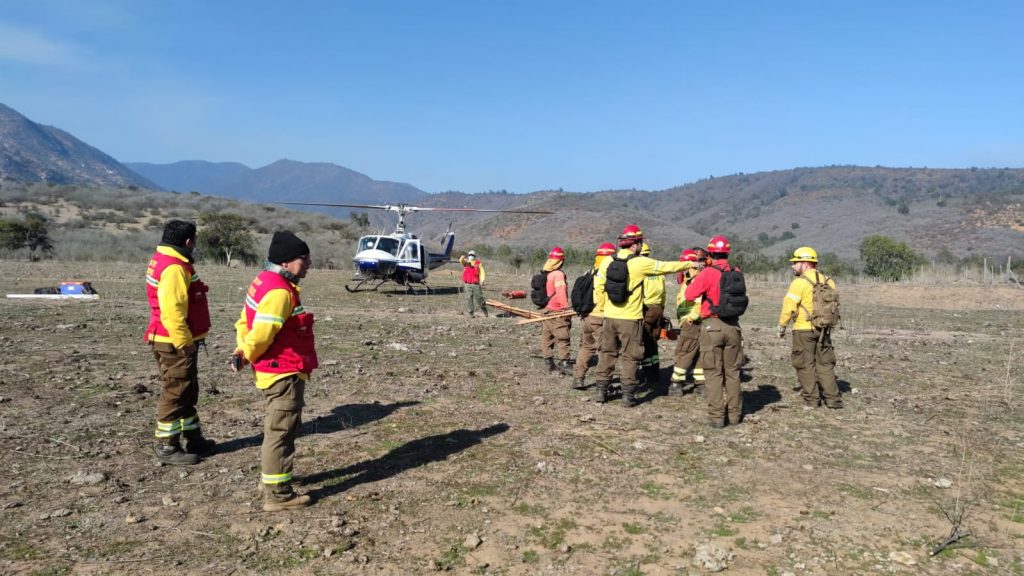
(480, 210)
(373, 206)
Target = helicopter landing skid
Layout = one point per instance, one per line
(409, 288)
(357, 287)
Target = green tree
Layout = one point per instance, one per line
(227, 235)
(887, 258)
(32, 233)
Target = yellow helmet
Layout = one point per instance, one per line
(804, 254)
(645, 249)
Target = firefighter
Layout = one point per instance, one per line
(813, 356)
(622, 331)
(473, 276)
(721, 339)
(275, 334)
(654, 316)
(179, 320)
(687, 370)
(590, 333)
(555, 332)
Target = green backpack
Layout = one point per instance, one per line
(825, 301)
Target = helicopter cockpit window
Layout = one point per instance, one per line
(389, 245)
(411, 251)
(367, 242)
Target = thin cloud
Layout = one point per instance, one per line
(30, 47)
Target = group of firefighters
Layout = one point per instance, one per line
(709, 349)
(621, 313)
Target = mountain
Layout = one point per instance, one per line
(284, 180)
(967, 212)
(31, 152)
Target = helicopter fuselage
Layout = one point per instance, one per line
(399, 257)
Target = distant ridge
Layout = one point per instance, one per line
(284, 180)
(31, 152)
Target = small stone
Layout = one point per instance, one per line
(472, 541)
(86, 478)
(901, 557)
(565, 549)
(699, 439)
(168, 501)
(775, 539)
(58, 513)
(132, 519)
(943, 483)
(807, 467)
(120, 499)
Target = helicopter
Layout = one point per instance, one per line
(400, 257)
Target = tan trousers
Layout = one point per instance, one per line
(620, 339)
(555, 332)
(687, 354)
(590, 339)
(284, 402)
(721, 353)
(815, 363)
(179, 391)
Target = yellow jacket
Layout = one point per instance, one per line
(799, 300)
(640, 267)
(654, 291)
(688, 310)
(172, 295)
(271, 313)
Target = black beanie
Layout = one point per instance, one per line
(286, 246)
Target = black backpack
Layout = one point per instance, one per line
(732, 294)
(617, 279)
(583, 294)
(539, 289)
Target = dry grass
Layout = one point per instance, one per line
(423, 427)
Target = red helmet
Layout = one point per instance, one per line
(689, 255)
(630, 235)
(556, 254)
(719, 245)
(606, 249)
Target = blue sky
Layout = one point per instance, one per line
(477, 95)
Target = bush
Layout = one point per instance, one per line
(887, 258)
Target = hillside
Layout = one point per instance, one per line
(31, 152)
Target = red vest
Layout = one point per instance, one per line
(471, 272)
(293, 348)
(198, 319)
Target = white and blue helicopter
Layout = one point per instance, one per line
(400, 257)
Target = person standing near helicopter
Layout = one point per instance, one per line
(555, 332)
(275, 334)
(473, 276)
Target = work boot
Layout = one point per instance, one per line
(652, 375)
(195, 443)
(565, 367)
(601, 392)
(675, 389)
(579, 383)
(550, 363)
(281, 497)
(168, 451)
(628, 398)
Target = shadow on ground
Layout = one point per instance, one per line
(407, 456)
(341, 418)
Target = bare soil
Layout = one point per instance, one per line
(434, 442)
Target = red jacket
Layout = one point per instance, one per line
(706, 285)
(198, 315)
(471, 272)
(293, 349)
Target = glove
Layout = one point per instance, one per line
(237, 360)
(782, 331)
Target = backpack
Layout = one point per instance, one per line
(825, 302)
(539, 289)
(732, 294)
(583, 294)
(617, 279)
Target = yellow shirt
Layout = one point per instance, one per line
(799, 300)
(272, 311)
(687, 310)
(654, 291)
(172, 295)
(640, 267)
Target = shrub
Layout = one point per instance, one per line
(887, 258)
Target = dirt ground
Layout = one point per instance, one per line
(434, 442)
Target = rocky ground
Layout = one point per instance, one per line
(434, 442)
